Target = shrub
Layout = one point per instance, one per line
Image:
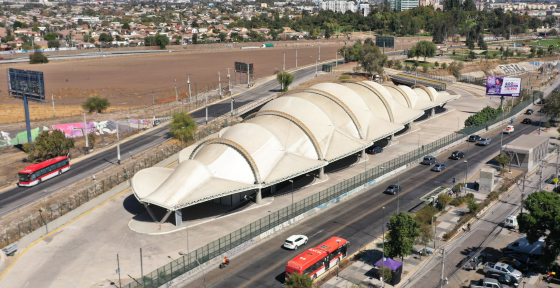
(444, 65)
(387, 274)
(298, 281)
(96, 104)
(37, 58)
(449, 234)
(474, 207)
(470, 197)
(425, 69)
(493, 195)
(343, 77)
(443, 200)
(425, 215)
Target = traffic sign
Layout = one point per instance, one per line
(555, 180)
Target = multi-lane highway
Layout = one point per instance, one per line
(13, 199)
(358, 219)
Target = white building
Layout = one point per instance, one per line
(401, 5)
(339, 6)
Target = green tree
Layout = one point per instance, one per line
(194, 39)
(48, 144)
(455, 68)
(540, 218)
(91, 140)
(540, 52)
(222, 37)
(426, 235)
(161, 41)
(37, 58)
(371, 58)
(436, 64)
(443, 200)
(425, 49)
(426, 214)
(472, 55)
(425, 69)
(481, 43)
(444, 65)
(470, 43)
(386, 273)
(474, 207)
(54, 44)
(51, 36)
(97, 104)
(550, 49)
(552, 106)
(26, 46)
(297, 280)
(503, 160)
(182, 126)
(104, 37)
(403, 230)
(126, 26)
(285, 79)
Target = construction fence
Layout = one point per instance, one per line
(215, 249)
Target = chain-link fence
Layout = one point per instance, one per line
(218, 247)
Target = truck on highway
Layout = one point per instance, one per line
(509, 129)
(267, 45)
(502, 268)
(488, 283)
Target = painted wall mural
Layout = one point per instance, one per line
(74, 130)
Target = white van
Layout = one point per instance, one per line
(510, 222)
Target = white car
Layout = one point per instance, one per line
(509, 129)
(294, 241)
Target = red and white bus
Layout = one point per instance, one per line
(37, 173)
(316, 261)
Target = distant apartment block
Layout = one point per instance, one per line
(401, 5)
(339, 6)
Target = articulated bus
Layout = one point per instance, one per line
(316, 261)
(37, 173)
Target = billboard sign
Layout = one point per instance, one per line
(24, 81)
(385, 41)
(503, 86)
(242, 67)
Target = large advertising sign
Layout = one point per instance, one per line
(242, 67)
(24, 81)
(503, 86)
(385, 41)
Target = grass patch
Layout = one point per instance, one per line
(422, 63)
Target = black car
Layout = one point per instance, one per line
(516, 264)
(527, 121)
(474, 138)
(521, 257)
(393, 189)
(456, 155)
(503, 278)
(376, 150)
(529, 112)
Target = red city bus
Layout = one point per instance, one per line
(316, 261)
(37, 173)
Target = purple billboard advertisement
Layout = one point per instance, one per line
(503, 86)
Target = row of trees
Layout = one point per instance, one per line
(488, 113)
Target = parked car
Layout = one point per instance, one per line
(439, 167)
(503, 268)
(521, 257)
(488, 283)
(529, 112)
(484, 141)
(509, 129)
(522, 245)
(527, 121)
(456, 155)
(472, 260)
(474, 138)
(510, 222)
(294, 241)
(516, 264)
(503, 278)
(393, 189)
(429, 160)
(376, 150)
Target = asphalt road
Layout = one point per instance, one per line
(15, 198)
(358, 219)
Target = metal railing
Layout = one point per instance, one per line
(226, 243)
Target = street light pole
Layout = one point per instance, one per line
(85, 132)
(383, 258)
(118, 144)
(182, 136)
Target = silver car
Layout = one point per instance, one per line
(484, 141)
(439, 167)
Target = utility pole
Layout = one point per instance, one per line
(85, 132)
(154, 105)
(206, 97)
(176, 95)
(189, 82)
(284, 63)
(319, 52)
(296, 57)
(434, 232)
(54, 111)
(248, 75)
(220, 83)
(142, 269)
(232, 101)
(442, 283)
(383, 258)
(229, 81)
(118, 144)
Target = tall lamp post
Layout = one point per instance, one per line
(182, 136)
(338, 264)
(383, 258)
(316, 63)
(85, 132)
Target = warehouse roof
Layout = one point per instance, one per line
(294, 134)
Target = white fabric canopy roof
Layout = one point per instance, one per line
(294, 134)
